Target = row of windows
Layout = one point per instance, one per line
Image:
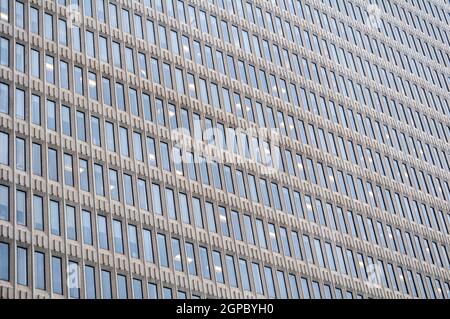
(344, 58)
(102, 179)
(212, 96)
(337, 28)
(222, 176)
(419, 23)
(290, 95)
(398, 34)
(223, 268)
(260, 150)
(310, 103)
(427, 6)
(254, 112)
(217, 220)
(254, 14)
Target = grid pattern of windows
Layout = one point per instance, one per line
(357, 185)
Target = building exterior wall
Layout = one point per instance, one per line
(383, 109)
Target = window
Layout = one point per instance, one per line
(39, 270)
(198, 216)
(148, 246)
(142, 193)
(269, 281)
(137, 143)
(118, 239)
(113, 184)
(4, 143)
(319, 255)
(106, 284)
(261, 233)
(64, 74)
(132, 239)
(66, 121)
(20, 13)
(4, 51)
(92, 87)
(167, 293)
(20, 154)
(84, 175)
(49, 69)
(137, 289)
(190, 257)
(52, 159)
(165, 156)
(35, 110)
(90, 46)
(20, 104)
(236, 225)
(74, 272)
(294, 287)
(124, 142)
(273, 237)
(129, 60)
(78, 80)
(155, 71)
(285, 241)
(38, 211)
(57, 280)
(113, 15)
(55, 218)
(4, 96)
(87, 227)
(176, 254)
(150, 31)
(20, 57)
(4, 261)
(151, 151)
(117, 60)
(68, 170)
(170, 204)
(21, 207)
(62, 32)
(34, 20)
(152, 291)
(162, 250)
(35, 69)
(109, 136)
(128, 188)
(156, 195)
(126, 21)
(122, 292)
(307, 245)
(231, 270)
(81, 126)
(210, 216)
(167, 76)
(103, 49)
(89, 274)
(71, 223)
(204, 262)
(98, 180)
(249, 229)
(257, 279)
(102, 232)
(4, 202)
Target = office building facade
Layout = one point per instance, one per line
(224, 149)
